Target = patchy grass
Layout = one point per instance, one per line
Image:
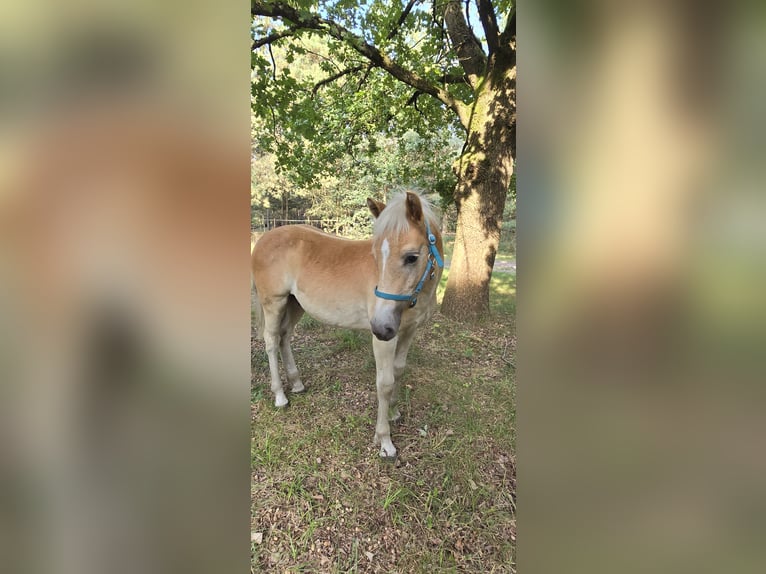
(322, 501)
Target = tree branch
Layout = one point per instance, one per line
(363, 79)
(402, 18)
(489, 23)
(439, 23)
(509, 34)
(303, 21)
(273, 63)
(413, 101)
(468, 48)
(334, 77)
(452, 79)
(271, 38)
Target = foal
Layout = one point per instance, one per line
(386, 284)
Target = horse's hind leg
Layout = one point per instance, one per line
(293, 313)
(273, 315)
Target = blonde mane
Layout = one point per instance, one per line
(393, 219)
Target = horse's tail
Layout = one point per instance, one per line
(258, 312)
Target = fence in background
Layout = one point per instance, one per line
(263, 224)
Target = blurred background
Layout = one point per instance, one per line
(124, 322)
(641, 312)
(124, 286)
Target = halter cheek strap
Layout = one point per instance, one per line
(434, 258)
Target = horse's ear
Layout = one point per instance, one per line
(414, 207)
(375, 206)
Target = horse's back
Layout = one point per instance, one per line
(279, 243)
(298, 232)
(290, 243)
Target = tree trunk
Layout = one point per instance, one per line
(484, 172)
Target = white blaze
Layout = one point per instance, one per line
(383, 307)
(385, 251)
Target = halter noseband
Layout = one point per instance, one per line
(433, 258)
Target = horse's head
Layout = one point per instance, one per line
(407, 250)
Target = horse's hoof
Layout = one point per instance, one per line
(387, 450)
(281, 402)
(299, 388)
(388, 457)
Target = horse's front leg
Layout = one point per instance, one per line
(400, 360)
(385, 352)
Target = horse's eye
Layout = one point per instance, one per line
(410, 259)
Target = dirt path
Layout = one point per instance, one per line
(503, 266)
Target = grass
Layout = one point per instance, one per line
(322, 501)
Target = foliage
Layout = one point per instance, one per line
(324, 151)
(338, 198)
(510, 206)
(320, 99)
(298, 104)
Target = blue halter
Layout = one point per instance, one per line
(433, 258)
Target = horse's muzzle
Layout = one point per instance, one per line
(383, 332)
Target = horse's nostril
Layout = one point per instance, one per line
(385, 333)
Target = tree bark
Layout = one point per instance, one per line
(484, 172)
